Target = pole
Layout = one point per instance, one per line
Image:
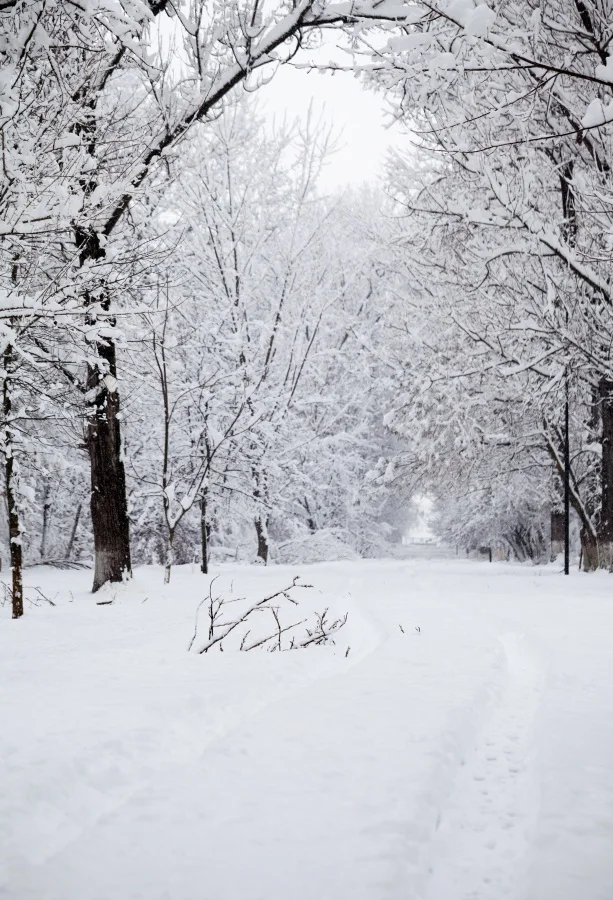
(566, 480)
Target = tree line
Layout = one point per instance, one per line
(187, 315)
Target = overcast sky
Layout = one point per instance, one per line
(357, 112)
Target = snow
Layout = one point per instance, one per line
(442, 61)
(597, 114)
(479, 21)
(475, 19)
(462, 750)
(605, 73)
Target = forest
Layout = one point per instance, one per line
(205, 353)
(234, 389)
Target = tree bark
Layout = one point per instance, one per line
(310, 518)
(73, 533)
(15, 549)
(170, 556)
(605, 526)
(261, 530)
(589, 551)
(15, 543)
(109, 507)
(205, 533)
(557, 534)
(45, 526)
(108, 480)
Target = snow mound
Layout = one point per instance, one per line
(322, 546)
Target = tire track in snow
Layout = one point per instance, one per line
(479, 848)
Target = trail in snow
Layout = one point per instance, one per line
(489, 820)
(422, 767)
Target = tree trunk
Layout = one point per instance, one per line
(109, 507)
(45, 526)
(11, 500)
(589, 543)
(605, 527)
(170, 556)
(310, 518)
(557, 534)
(108, 480)
(14, 541)
(205, 533)
(73, 533)
(261, 524)
(518, 542)
(589, 551)
(261, 529)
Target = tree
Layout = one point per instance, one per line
(256, 348)
(514, 193)
(122, 115)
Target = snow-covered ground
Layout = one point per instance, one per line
(461, 750)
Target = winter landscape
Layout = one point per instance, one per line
(306, 450)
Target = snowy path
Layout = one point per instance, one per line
(469, 760)
(488, 822)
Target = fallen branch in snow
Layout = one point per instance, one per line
(36, 600)
(199, 607)
(226, 628)
(317, 632)
(323, 630)
(276, 637)
(42, 597)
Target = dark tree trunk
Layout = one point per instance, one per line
(15, 550)
(521, 551)
(108, 480)
(261, 524)
(73, 533)
(605, 527)
(310, 518)
(557, 533)
(205, 533)
(261, 530)
(15, 543)
(109, 508)
(45, 528)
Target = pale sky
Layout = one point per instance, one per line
(349, 107)
(358, 115)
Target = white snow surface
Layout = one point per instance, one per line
(471, 759)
